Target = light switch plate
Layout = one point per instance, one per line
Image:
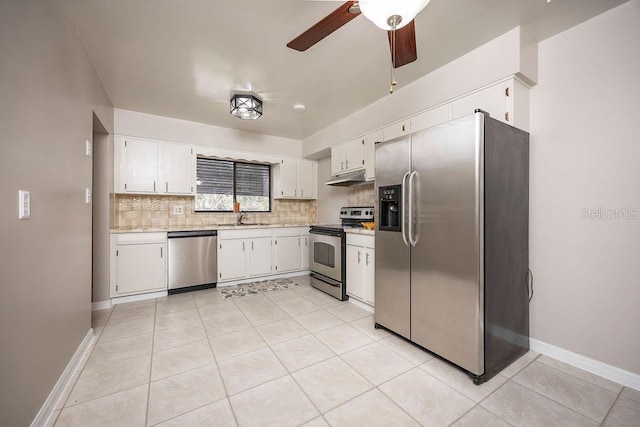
(24, 204)
(87, 195)
(89, 148)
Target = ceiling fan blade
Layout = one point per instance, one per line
(322, 29)
(405, 45)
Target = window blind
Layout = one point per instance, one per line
(215, 176)
(252, 180)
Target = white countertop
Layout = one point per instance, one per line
(203, 227)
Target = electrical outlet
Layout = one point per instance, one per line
(178, 210)
(24, 204)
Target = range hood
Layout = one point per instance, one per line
(347, 179)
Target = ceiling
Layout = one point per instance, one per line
(185, 58)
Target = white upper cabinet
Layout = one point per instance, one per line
(369, 141)
(177, 168)
(295, 179)
(347, 157)
(307, 179)
(507, 101)
(149, 166)
(432, 117)
(138, 165)
(397, 129)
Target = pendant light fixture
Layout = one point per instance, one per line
(246, 107)
(391, 15)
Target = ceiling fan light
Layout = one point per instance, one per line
(379, 11)
(245, 107)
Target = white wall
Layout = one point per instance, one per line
(513, 53)
(585, 153)
(330, 198)
(49, 91)
(132, 123)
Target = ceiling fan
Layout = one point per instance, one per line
(395, 16)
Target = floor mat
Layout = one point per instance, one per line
(253, 288)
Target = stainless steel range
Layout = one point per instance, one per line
(328, 251)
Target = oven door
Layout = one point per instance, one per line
(326, 255)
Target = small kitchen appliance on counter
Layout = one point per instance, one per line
(328, 251)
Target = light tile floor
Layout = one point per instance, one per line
(299, 357)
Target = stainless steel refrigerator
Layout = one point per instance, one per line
(452, 241)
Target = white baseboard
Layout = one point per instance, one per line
(361, 304)
(101, 305)
(139, 297)
(269, 277)
(64, 382)
(609, 372)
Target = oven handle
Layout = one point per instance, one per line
(325, 279)
(326, 233)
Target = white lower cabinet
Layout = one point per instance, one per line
(244, 253)
(138, 263)
(305, 248)
(261, 252)
(361, 267)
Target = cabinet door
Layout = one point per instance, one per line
(287, 250)
(492, 100)
(354, 159)
(289, 177)
(305, 252)
(369, 153)
(232, 259)
(141, 165)
(141, 268)
(306, 181)
(369, 275)
(397, 129)
(338, 157)
(355, 271)
(430, 118)
(177, 169)
(259, 256)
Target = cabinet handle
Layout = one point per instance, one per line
(306, 242)
(243, 246)
(295, 192)
(506, 116)
(160, 251)
(298, 241)
(367, 258)
(166, 184)
(252, 245)
(302, 193)
(359, 257)
(154, 186)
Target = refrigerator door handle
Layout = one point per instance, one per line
(411, 216)
(403, 200)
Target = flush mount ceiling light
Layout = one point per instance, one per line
(246, 107)
(391, 15)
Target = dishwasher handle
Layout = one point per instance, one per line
(196, 233)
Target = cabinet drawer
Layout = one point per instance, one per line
(360, 240)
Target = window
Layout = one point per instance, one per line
(219, 182)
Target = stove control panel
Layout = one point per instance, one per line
(364, 213)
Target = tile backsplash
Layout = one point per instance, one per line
(361, 194)
(142, 211)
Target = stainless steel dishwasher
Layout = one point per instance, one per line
(192, 259)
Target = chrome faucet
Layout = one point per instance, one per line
(241, 216)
